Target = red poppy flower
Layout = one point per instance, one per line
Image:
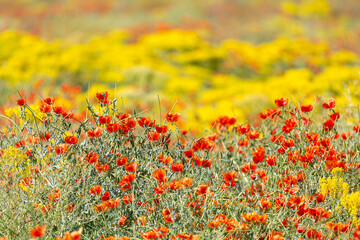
(131, 167)
(92, 157)
(45, 108)
(161, 129)
(49, 100)
(258, 154)
(104, 119)
(330, 104)
(178, 167)
(153, 136)
(335, 116)
(254, 134)
(122, 220)
(121, 161)
(105, 196)
(229, 178)
(184, 131)
(102, 97)
(356, 128)
(172, 117)
(95, 133)
(328, 125)
(57, 109)
(113, 127)
(244, 129)
(61, 148)
(201, 190)
(306, 108)
(282, 102)
(146, 122)
(20, 144)
(189, 153)
(71, 140)
(271, 160)
(67, 114)
(21, 101)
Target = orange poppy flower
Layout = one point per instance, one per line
(132, 166)
(248, 166)
(91, 157)
(201, 190)
(175, 184)
(160, 189)
(122, 220)
(271, 160)
(55, 196)
(76, 234)
(128, 178)
(229, 178)
(96, 190)
(38, 231)
(61, 148)
(160, 175)
(265, 204)
(142, 220)
(153, 136)
(178, 167)
(71, 140)
(95, 133)
(254, 134)
(162, 159)
(186, 181)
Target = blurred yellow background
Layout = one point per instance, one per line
(215, 57)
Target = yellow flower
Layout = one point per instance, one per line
(335, 187)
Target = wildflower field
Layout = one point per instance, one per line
(179, 130)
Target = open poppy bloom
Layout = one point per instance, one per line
(38, 231)
(229, 178)
(172, 117)
(160, 175)
(330, 104)
(21, 101)
(282, 102)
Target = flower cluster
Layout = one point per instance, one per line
(118, 175)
